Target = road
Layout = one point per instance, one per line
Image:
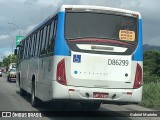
(10, 100)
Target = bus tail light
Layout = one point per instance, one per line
(138, 77)
(61, 74)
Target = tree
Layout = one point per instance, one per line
(1, 64)
(8, 60)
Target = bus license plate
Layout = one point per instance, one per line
(100, 95)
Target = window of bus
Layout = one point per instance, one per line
(40, 41)
(25, 49)
(47, 38)
(32, 45)
(55, 28)
(19, 53)
(29, 47)
(105, 26)
(52, 35)
(21, 50)
(37, 43)
(43, 40)
(50, 43)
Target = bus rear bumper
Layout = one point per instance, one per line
(114, 95)
(88, 94)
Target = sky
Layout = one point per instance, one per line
(26, 14)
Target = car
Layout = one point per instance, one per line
(11, 75)
(0, 73)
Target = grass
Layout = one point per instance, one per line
(151, 95)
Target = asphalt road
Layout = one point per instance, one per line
(10, 100)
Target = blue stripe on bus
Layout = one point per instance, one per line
(138, 54)
(61, 47)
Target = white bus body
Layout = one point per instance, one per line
(86, 69)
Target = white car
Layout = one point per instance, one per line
(11, 75)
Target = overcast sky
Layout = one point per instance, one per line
(29, 13)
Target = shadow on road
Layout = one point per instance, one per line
(68, 110)
(12, 82)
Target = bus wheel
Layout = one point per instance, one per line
(22, 92)
(9, 79)
(90, 106)
(34, 100)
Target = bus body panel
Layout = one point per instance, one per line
(60, 41)
(94, 71)
(45, 78)
(81, 88)
(101, 68)
(138, 54)
(24, 75)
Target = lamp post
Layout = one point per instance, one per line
(12, 41)
(15, 25)
(11, 23)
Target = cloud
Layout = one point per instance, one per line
(154, 41)
(4, 37)
(27, 30)
(23, 15)
(29, 2)
(6, 53)
(6, 41)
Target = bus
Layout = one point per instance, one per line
(87, 54)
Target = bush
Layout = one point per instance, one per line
(150, 78)
(151, 95)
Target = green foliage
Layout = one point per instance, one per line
(151, 79)
(152, 62)
(151, 95)
(9, 59)
(1, 64)
(151, 66)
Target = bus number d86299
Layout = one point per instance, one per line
(118, 62)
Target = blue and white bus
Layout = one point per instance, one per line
(88, 54)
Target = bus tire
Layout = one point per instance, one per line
(34, 100)
(22, 92)
(90, 106)
(19, 79)
(8, 79)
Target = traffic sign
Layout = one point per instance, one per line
(18, 39)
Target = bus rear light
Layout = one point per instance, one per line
(138, 77)
(61, 74)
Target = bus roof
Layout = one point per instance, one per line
(89, 7)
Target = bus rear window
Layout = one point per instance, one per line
(100, 25)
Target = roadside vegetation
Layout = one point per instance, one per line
(151, 79)
(7, 60)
